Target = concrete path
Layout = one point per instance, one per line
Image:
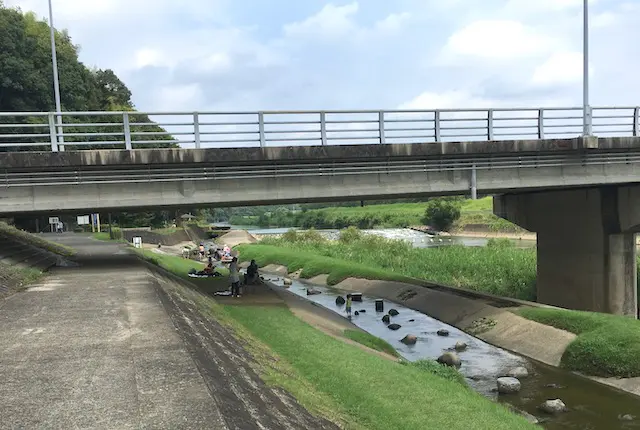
(94, 347)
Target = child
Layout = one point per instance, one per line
(349, 305)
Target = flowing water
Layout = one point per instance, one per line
(592, 405)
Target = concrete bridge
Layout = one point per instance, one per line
(580, 195)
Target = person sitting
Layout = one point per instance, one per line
(209, 269)
(251, 277)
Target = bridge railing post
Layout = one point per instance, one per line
(436, 125)
(636, 120)
(52, 132)
(196, 130)
(127, 130)
(540, 123)
(381, 127)
(261, 129)
(490, 124)
(323, 128)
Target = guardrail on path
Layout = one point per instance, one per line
(135, 130)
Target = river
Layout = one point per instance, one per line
(416, 238)
(592, 406)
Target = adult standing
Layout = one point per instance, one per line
(234, 277)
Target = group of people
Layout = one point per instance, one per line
(251, 276)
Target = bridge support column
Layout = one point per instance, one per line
(586, 245)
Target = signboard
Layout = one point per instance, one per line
(83, 220)
(137, 242)
(54, 220)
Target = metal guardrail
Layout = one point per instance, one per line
(265, 171)
(132, 130)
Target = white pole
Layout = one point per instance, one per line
(56, 84)
(586, 112)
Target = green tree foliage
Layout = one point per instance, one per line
(26, 85)
(441, 213)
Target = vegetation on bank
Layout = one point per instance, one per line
(39, 242)
(358, 389)
(371, 341)
(473, 214)
(498, 269)
(606, 345)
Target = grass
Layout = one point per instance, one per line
(606, 345)
(354, 388)
(17, 276)
(500, 270)
(104, 236)
(374, 393)
(32, 239)
(371, 341)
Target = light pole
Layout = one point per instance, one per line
(56, 84)
(586, 109)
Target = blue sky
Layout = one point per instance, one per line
(373, 54)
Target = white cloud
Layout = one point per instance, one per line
(332, 21)
(560, 68)
(497, 39)
(447, 100)
(604, 19)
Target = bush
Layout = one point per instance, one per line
(350, 235)
(442, 213)
(500, 243)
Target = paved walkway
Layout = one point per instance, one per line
(94, 347)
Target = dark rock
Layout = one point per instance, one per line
(450, 359)
(356, 297)
(340, 301)
(443, 332)
(386, 319)
(409, 339)
(313, 292)
(356, 313)
(393, 312)
(363, 311)
(412, 320)
(394, 327)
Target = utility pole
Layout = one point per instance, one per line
(56, 83)
(586, 109)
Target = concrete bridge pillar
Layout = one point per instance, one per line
(586, 245)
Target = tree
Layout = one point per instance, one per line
(441, 213)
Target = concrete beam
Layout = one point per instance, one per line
(298, 154)
(585, 247)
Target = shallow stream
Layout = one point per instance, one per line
(591, 405)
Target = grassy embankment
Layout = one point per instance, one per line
(349, 385)
(36, 241)
(606, 345)
(393, 215)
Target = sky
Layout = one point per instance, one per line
(249, 55)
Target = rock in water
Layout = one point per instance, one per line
(412, 320)
(287, 281)
(313, 292)
(443, 332)
(393, 312)
(450, 359)
(626, 417)
(409, 339)
(363, 311)
(508, 385)
(356, 313)
(394, 327)
(553, 406)
(386, 319)
(460, 346)
(340, 301)
(518, 372)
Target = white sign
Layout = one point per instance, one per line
(83, 220)
(54, 220)
(137, 242)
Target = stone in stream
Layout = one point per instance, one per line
(508, 385)
(518, 372)
(626, 417)
(450, 359)
(356, 313)
(412, 320)
(313, 292)
(460, 346)
(394, 327)
(393, 312)
(363, 311)
(443, 332)
(386, 319)
(287, 281)
(555, 406)
(409, 339)
(340, 301)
